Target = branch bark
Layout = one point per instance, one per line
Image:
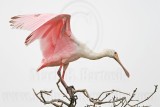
(103, 99)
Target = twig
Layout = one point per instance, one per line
(156, 86)
(133, 94)
(53, 101)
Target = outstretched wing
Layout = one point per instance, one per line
(48, 32)
(30, 22)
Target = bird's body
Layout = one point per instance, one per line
(59, 46)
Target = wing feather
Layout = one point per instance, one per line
(48, 28)
(30, 22)
(49, 39)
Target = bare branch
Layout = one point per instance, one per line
(156, 86)
(53, 101)
(133, 94)
(103, 99)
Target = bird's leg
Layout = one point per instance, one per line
(70, 89)
(61, 79)
(64, 69)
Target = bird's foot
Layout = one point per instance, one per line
(70, 90)
(73, 97)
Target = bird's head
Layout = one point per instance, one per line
(113, 54)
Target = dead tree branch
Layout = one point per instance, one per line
(71, 98)
(106, 97)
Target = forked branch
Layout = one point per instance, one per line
(106, 97)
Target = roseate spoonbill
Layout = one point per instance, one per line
(59, 46)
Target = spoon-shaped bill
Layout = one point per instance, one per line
(125, 70)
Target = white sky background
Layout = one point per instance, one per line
(131, 27)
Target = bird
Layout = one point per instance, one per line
(57, 42)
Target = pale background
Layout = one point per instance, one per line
(131, 27)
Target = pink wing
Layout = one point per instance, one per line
(30, 22)
(48, 32)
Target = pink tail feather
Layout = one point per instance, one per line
(41, 67)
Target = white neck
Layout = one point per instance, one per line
(93, 55)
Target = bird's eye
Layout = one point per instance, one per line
(115, 52)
